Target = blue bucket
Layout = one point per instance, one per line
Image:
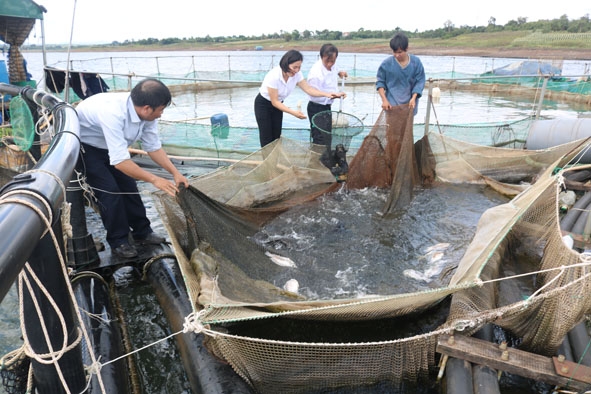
(220, 127)
(3, 72)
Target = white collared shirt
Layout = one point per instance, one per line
(323, 79)
(274, 79)
(109, 121)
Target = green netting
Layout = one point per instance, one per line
(23, 127)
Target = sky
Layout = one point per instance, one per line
(105, 21)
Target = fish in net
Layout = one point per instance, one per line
(338, 129)
(226, 271)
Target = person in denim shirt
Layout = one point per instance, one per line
(401, 77)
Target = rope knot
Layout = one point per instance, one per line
(95, 367)
(461, 325)
(585, 257)
(192, 324)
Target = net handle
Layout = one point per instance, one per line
(341, 98)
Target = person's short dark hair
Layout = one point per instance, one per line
(290, 57)
(328, 50)
(399, 42)
(152, 92)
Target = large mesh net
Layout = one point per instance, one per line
(280, 340)
(386, 158)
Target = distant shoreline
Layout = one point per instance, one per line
(479, 48)
(521, 53)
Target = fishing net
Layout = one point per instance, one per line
(527, 230)
(12, 158)
(386, 158)
(282, 340)
(23, 126)
(338, 129)
(15, 372)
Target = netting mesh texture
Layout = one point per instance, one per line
(14, 372)
(225, 271)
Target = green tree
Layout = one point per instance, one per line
(448, 25)
(560, 24)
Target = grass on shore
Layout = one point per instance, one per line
(493, 41)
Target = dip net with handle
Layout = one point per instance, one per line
(279, 340)
(338, 129)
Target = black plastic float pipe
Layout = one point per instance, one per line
(459, 382)
(581, 223)
(21, 227)
(485, 378)
(52, 321)
(576, 341)
(579, 340)
(82, 251)
(206, 374)
(92, 295)
(568, 221)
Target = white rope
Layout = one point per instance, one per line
(96, 316)
(53, 356)
(85, 187)
(192, 323)
(81, 179)
(48, 220)
(586, 262)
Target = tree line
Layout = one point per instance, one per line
(448, 30)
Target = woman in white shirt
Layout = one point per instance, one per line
(323, 76)
(276, 86)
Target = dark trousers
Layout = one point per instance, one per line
(318, 136)
(269, 119)
(120, 205)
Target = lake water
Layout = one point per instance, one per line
(362, 101)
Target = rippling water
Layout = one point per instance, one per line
(344, 248)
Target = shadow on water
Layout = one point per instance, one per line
(159, 367)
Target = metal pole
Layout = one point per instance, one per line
(542, 94)
(429, 101)
(43, 50)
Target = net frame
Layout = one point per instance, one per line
(338, 127)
